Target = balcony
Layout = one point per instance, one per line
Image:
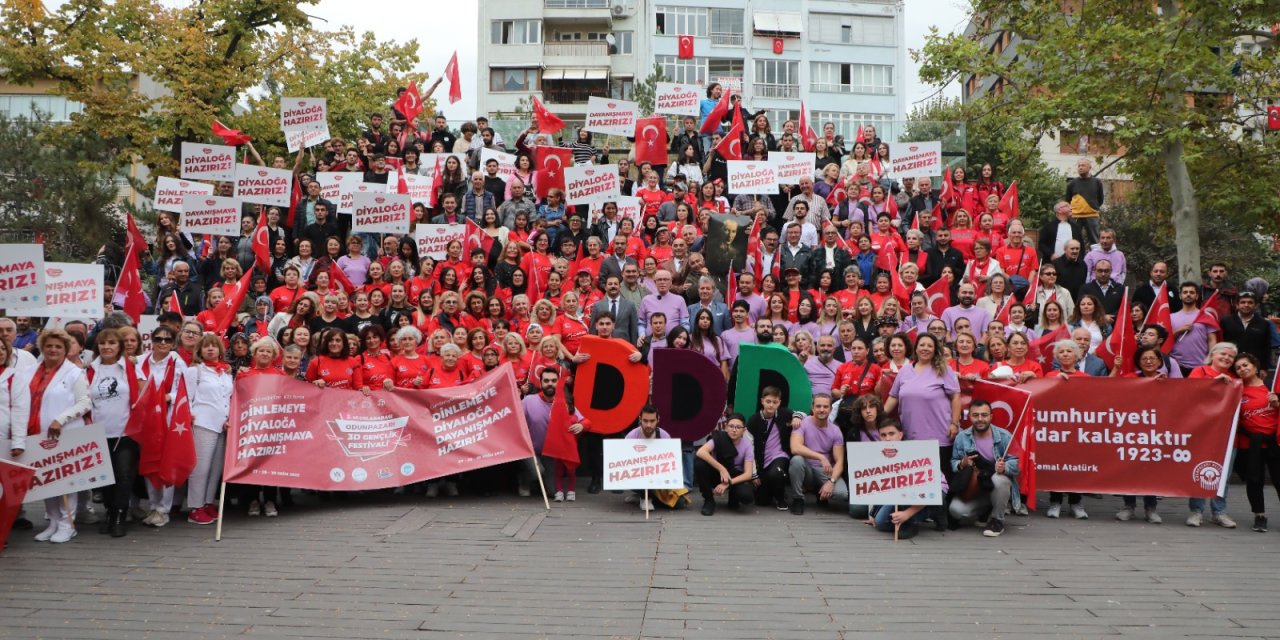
(786, 91)
(578, 11)
(573, 91)
(727, 39)
(576, 53)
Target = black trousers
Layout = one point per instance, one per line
(124, 464)
(1253, 464)
(707, 478)
(775, 477)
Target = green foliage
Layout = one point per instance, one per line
(55, 184)
(989, 136)
(646, 90)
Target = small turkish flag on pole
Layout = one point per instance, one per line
(1273, 118)
(685, 50)
(779, 45)
(651, 140)
(455, 79)
(409, 104)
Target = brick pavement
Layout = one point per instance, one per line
(408, 567)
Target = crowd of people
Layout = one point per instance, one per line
(353, 310)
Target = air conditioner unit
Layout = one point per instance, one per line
(623, 10)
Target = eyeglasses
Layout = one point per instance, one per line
(189, 332)
(734, 425)
(1049, 273)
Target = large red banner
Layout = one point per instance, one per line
(1133, 436)
(288, 433)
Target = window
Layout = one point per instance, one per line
(524, 80)
(622, 89)
(835, 77)
(58, 108)
(517, 32)
(724, 68)
(681, 21)
(690, 71)
(727, 27)
(846, 124)
(777, 79)
(621, 43)
(779, 117)
(873, 31)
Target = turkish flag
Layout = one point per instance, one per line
(838, 194)
(1121, 343)
(261, 242)
(1009, 201)
(1011, 411)
(225, 312)
(779, 45)
(339, 277)
(295, 199)
(561, 444)
(1002, 315)
(841, 243)
(146, 424)
(178, 455)
(15, 481)
(129, 286)
(651, 140)
(437, 185)
(1041, 349)
(455, 79)
(229, 136)
(1273, 118)
(133, 235)
(548, 122)
(176, 306)
(685, 47)
(938, 296)
(1160, 314)
(1033, 290)
(862, 137)
(730, 147)
(717, 114)
(550, 163)
(808, 137)
(477, 238)
(409, 104)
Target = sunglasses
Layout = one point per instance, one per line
(161, 340)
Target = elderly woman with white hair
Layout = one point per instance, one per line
(59, 401)
(411, 368)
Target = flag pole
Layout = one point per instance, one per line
(537, 470)
(896, 527)
(646, 504)
(222, 501)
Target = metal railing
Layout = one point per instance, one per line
(595, 48)
(727, 39)
(823, 87)
(776, 90)
(577, 4)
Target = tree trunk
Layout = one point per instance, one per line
(1186, 213)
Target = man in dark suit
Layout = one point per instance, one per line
(1056, 233)
(615, 261)
(1110, 292)
(1145, 293)
(827, 256)
(625, 316)
(794, 254)
(720, 320)
(924, 200)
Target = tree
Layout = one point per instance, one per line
(61, 193)
(1160, 78)
(988, 136)
(646, 90)
(203, 59)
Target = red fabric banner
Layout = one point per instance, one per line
(288, 433)
(15, 481)
(1133, 436)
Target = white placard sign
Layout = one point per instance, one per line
(310, 114)
(792, 166)
(611, 117)
(419, 187)
(916, 159)
(506, 163)
(171, 191)
(902, 473)
(146, 324)
(381, 212)
(642, 464)
(77, 461)
(213, 215)
(71, 291)
(677, 99)
(588, 183)
(208, 161)
(629, 207)
(21, 275)
(263, 185)
(300, 138)
(433, 239)
(348, 190)
(753, 177)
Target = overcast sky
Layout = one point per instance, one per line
(434, 51)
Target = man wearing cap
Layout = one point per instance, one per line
(667, 210)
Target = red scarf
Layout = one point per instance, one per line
(39, 382)
(218, 366)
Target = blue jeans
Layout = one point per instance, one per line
(1217, 504)
(910, 528)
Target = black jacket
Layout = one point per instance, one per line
(1071, 275)
(817, 263)
(1110, 300)
(758, 427)
(1049, 236)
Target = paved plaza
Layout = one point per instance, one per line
(502, 567)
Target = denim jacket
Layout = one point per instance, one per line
(964, 446)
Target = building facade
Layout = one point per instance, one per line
(845, 60)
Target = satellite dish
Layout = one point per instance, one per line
(610, 39)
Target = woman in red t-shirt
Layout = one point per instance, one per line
(265, 351)
(569, 326)
(1221, 363)
(859, 375)
(410, 366)
(333, 367)
(1258, 450)
(515, 353)
(967, 367)
(375, 359)
(473, 359)
(449, 372)
(1023, 368)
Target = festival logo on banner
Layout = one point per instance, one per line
(263, 185)
(208, 161)
(171, 191)
(71, 291)
(76, 461)
(753, 177)
(21, 275)
(611, 117)
(1168, 438)
(303, 114)
(300, 138)
(793, 166)
(506, 163)
(366, 431)
(642, 464)
(916, 159)
(381, 212)
(899, 473)
(211, 214)
(347, 193)
(434, 239)
(587, 183)
(677, 99)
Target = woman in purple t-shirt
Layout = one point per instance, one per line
(927, 397)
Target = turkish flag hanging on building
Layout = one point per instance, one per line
(779, 45)
(1273, 118)
(685, 50)
(651, 140)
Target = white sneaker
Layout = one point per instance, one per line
(1195, 519)
(270, 510)
(632, 498)
(1124, 515)
(1021, 510)
(559, 497)
(255, 509)
(161, 520)
(1223, 520)
(572, 496)
(1054, 511)
(1153, 517)
(1078, 512)
(44, 536)
(64, 533)
(646, 505)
